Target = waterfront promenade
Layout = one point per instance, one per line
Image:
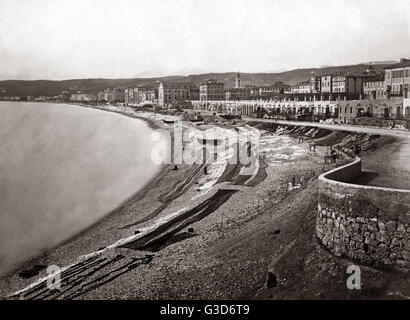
(389, 166)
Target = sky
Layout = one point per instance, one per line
(56, 39)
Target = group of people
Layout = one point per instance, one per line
(331, 154)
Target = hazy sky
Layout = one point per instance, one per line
(56, 39)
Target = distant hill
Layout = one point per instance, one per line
(382, 62)
(51, 88)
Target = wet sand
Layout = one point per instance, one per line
(193, 236)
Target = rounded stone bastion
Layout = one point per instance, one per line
(365, 223)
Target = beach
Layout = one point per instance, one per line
(190, 235)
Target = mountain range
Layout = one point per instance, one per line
(51, 88)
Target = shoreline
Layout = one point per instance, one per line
(245, 211)
(151, 123)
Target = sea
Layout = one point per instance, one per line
(62, 168)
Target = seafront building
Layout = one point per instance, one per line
(273, 90)
(238, 94)
(211, 90)
(374, 88)
(315, 84)
(175, 94)
(301, 88)
(366, 97)
(140, 95)
(397, 78)
(111, 95)
(82, 97)
(129, 96)
(347, 85)
(326, 84)
(147, 94)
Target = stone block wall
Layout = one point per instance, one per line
(367, 224)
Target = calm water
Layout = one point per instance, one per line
(62, 168)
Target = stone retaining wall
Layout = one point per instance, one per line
(382, 123)
(364, 223)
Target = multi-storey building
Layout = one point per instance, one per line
(315, 84)
(373, 88)
(114, 95)
(129, 96)
(100, 96)
(326, 84)
(275, 89)
(82, 97)
(348, 85)
(176, 93)
(238, 94)
(301, 87)
(140, 94)
(397, 79)
(253, 90)
(211, 90)
(146, 94)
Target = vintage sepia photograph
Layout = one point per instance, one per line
(206, 152)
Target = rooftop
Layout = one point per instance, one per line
(179, 85)
(379, 77)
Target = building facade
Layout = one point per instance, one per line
(129, 96)
(147, 94)
(315, 84)
(140, 94)
(326, 84)
(82, 97)
(374, 88)
(112, 96)
(301, 87)
(211, 90)
(238, 94)
(397, 79)
(387, 109)
(347, 85)
(176, 93)
(273, 90)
